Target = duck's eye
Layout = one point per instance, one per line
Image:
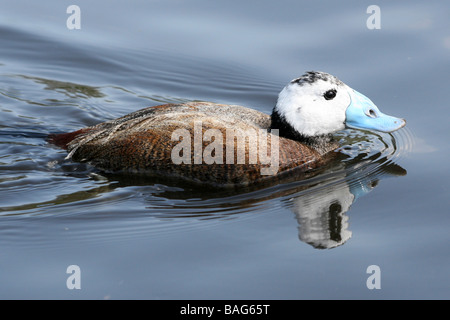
(330, 94)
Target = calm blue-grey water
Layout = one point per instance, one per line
(386, 204)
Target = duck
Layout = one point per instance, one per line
(230, 145)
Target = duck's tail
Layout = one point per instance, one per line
(62, 140)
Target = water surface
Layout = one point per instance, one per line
(384, 203)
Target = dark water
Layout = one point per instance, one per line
(385, 204)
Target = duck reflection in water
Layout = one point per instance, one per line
(320, 204)
(321, 211)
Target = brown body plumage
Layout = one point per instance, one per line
(142, 142)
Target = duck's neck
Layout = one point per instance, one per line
(279, 122)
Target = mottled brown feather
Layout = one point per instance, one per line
(142, 142)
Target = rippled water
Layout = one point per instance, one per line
(384, 202)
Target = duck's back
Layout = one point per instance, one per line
(200, 141)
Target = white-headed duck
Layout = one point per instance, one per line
(228, 144)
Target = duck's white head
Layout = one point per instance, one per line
(318, 104)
